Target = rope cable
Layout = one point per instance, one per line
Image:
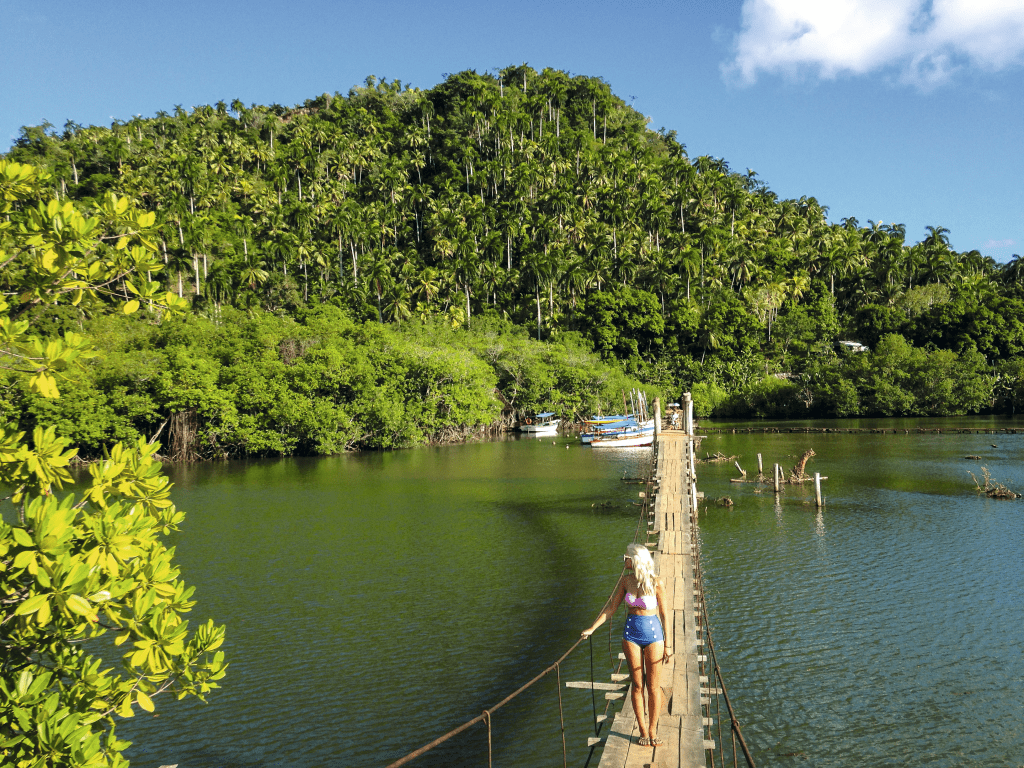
(556, 666)
(561, 717)
(487, 717)
(593, 696)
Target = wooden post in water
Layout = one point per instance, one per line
(776, 478)
(693, 500)
(760, 468)
(817, 489)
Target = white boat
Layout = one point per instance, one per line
(542, 424)
(623, 440)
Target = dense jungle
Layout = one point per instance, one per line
(395, 266)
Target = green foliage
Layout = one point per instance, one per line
(899, 379)
(707, 398)
(260, 384)
(873, 321)
(538, 197)
(921, 298)
(72, 570)
(623, 322)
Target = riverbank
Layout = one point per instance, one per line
(857, 430)
(254, 384)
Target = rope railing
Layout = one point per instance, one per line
(720, 691)
(485, 716)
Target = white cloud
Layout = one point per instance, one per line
(999, 244)
(925, 40)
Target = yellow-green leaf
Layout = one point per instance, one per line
(23, 558)
(31, 605)
(131, 306)
(145, 702)
(23, 537)
(44, 384)
(80, 605)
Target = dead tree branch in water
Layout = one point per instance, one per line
(991, 488)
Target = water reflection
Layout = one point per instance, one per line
(373, 601)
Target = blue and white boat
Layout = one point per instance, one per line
(629, 431)
(627, 427)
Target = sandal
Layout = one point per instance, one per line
(654, 741)
(643, 741)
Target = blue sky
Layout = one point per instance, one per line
(908, 111)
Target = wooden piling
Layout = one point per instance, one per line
(777, 473)
(817, 489)
(760, 468)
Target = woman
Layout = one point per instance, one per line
(643, 639)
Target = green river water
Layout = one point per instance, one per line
(374, 601)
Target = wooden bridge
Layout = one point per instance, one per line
(682, 724)
(685, 722)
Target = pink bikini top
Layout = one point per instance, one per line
(644, 602)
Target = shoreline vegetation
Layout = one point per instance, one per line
(395, 266)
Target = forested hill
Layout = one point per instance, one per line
(541, 201)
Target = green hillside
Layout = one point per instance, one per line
(464, 218)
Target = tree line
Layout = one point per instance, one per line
(542, 201)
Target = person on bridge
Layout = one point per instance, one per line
(643, 639)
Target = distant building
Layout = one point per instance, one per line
(854, 346)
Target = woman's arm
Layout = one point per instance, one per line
(610, 607)
(664, 617)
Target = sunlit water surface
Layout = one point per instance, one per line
(373, 601)
(886, 629)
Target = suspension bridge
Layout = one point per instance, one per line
(693, 720)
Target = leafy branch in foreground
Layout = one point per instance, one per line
(71, 569)
(51, 253)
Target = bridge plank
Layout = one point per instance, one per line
(681, 727)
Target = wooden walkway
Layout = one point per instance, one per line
(680, 724)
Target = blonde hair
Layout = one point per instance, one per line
(643, 567)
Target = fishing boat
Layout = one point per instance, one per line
(599, 420)
(628, 426)
(629, 431)
(623, 440)
(541, 424)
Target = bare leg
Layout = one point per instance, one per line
(635, 660)
(654, 656)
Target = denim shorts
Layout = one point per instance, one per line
(643, 630)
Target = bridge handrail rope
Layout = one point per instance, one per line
(485, 716)
(719, 689)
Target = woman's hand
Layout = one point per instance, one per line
(587, 632)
